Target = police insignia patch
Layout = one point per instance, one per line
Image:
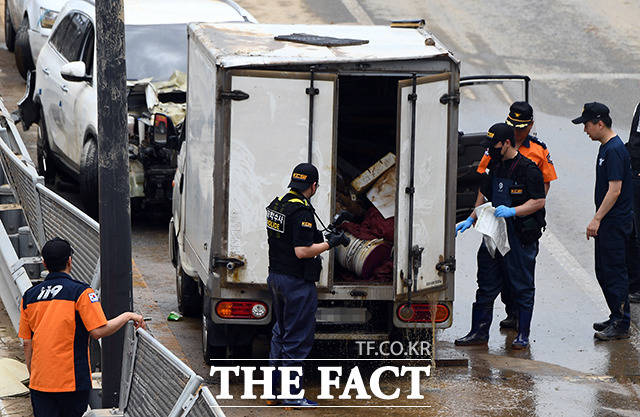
(275, 221)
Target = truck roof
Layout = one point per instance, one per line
(245, 44)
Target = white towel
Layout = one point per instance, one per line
(493, 229)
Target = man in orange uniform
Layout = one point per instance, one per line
(521, 119)
(56, 319)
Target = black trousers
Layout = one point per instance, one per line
(611, 247)
(59, 404)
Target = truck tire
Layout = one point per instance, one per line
(189, 298)
(22, 52)
(9, 32)
(89, 177)
(209, 352)
(46, 162)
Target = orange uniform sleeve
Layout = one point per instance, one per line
(484, 163)
(547, 167)
(90, 310)
(24, 330)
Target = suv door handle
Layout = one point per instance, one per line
(45, 70)
(64, 88)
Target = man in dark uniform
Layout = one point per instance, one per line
(294, 268)
(515, 188)
(612, 224)
(633, 258)
(520, 117)
(57, 317)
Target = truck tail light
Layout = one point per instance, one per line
(421, 313)
(252, 310)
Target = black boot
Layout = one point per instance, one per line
(481, 317)
(524, 327)
(614, 331)
(600, 326)
(511, 322)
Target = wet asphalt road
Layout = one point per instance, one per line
(575, 51)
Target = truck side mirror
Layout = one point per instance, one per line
(75, 72)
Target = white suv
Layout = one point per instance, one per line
(27, 26)
(63, 99)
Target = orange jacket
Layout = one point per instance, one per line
(534, 149)
(57, 315)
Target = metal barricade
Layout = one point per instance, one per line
(14, 280)
(23, 179)
(155, 383)
(205, 405)
(61, 218)
(161, 384)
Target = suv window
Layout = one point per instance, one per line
(87, 51)
(70, 35)
(60, 33)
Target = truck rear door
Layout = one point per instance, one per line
(426, 183)
(269, 134)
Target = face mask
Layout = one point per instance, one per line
(494, 153)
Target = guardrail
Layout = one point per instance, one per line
(156, 383)
(46, 213)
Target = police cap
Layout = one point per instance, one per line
(303, 176)
(592, 112)
(520, 115)
(500, 132)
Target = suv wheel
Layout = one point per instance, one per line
(9, 32)
(46, 163)
(189, 298)
(24, 60)
(89, 177)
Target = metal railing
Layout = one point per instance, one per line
(155, 383)
(47, 214)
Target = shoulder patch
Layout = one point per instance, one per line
(306, 224)
(538, 141)
(93, 297)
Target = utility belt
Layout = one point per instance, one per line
(529, 228)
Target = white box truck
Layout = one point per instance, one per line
(261, 99)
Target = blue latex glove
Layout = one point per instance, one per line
(504, 211)
(461, 227)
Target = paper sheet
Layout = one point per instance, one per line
(493, 229)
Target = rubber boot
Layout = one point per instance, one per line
(481, 317)
(511, 322)
(524, 327)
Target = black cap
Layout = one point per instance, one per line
(520, 115)
(500, 132)
(55, 253)
(303, 176)
(592, 112)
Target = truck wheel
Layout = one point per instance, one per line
(22, 54)
(89, 177)
(210, 353)
(9, 32)
(46, 163)
(189, 298)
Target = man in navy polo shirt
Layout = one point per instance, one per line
(612, 224)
